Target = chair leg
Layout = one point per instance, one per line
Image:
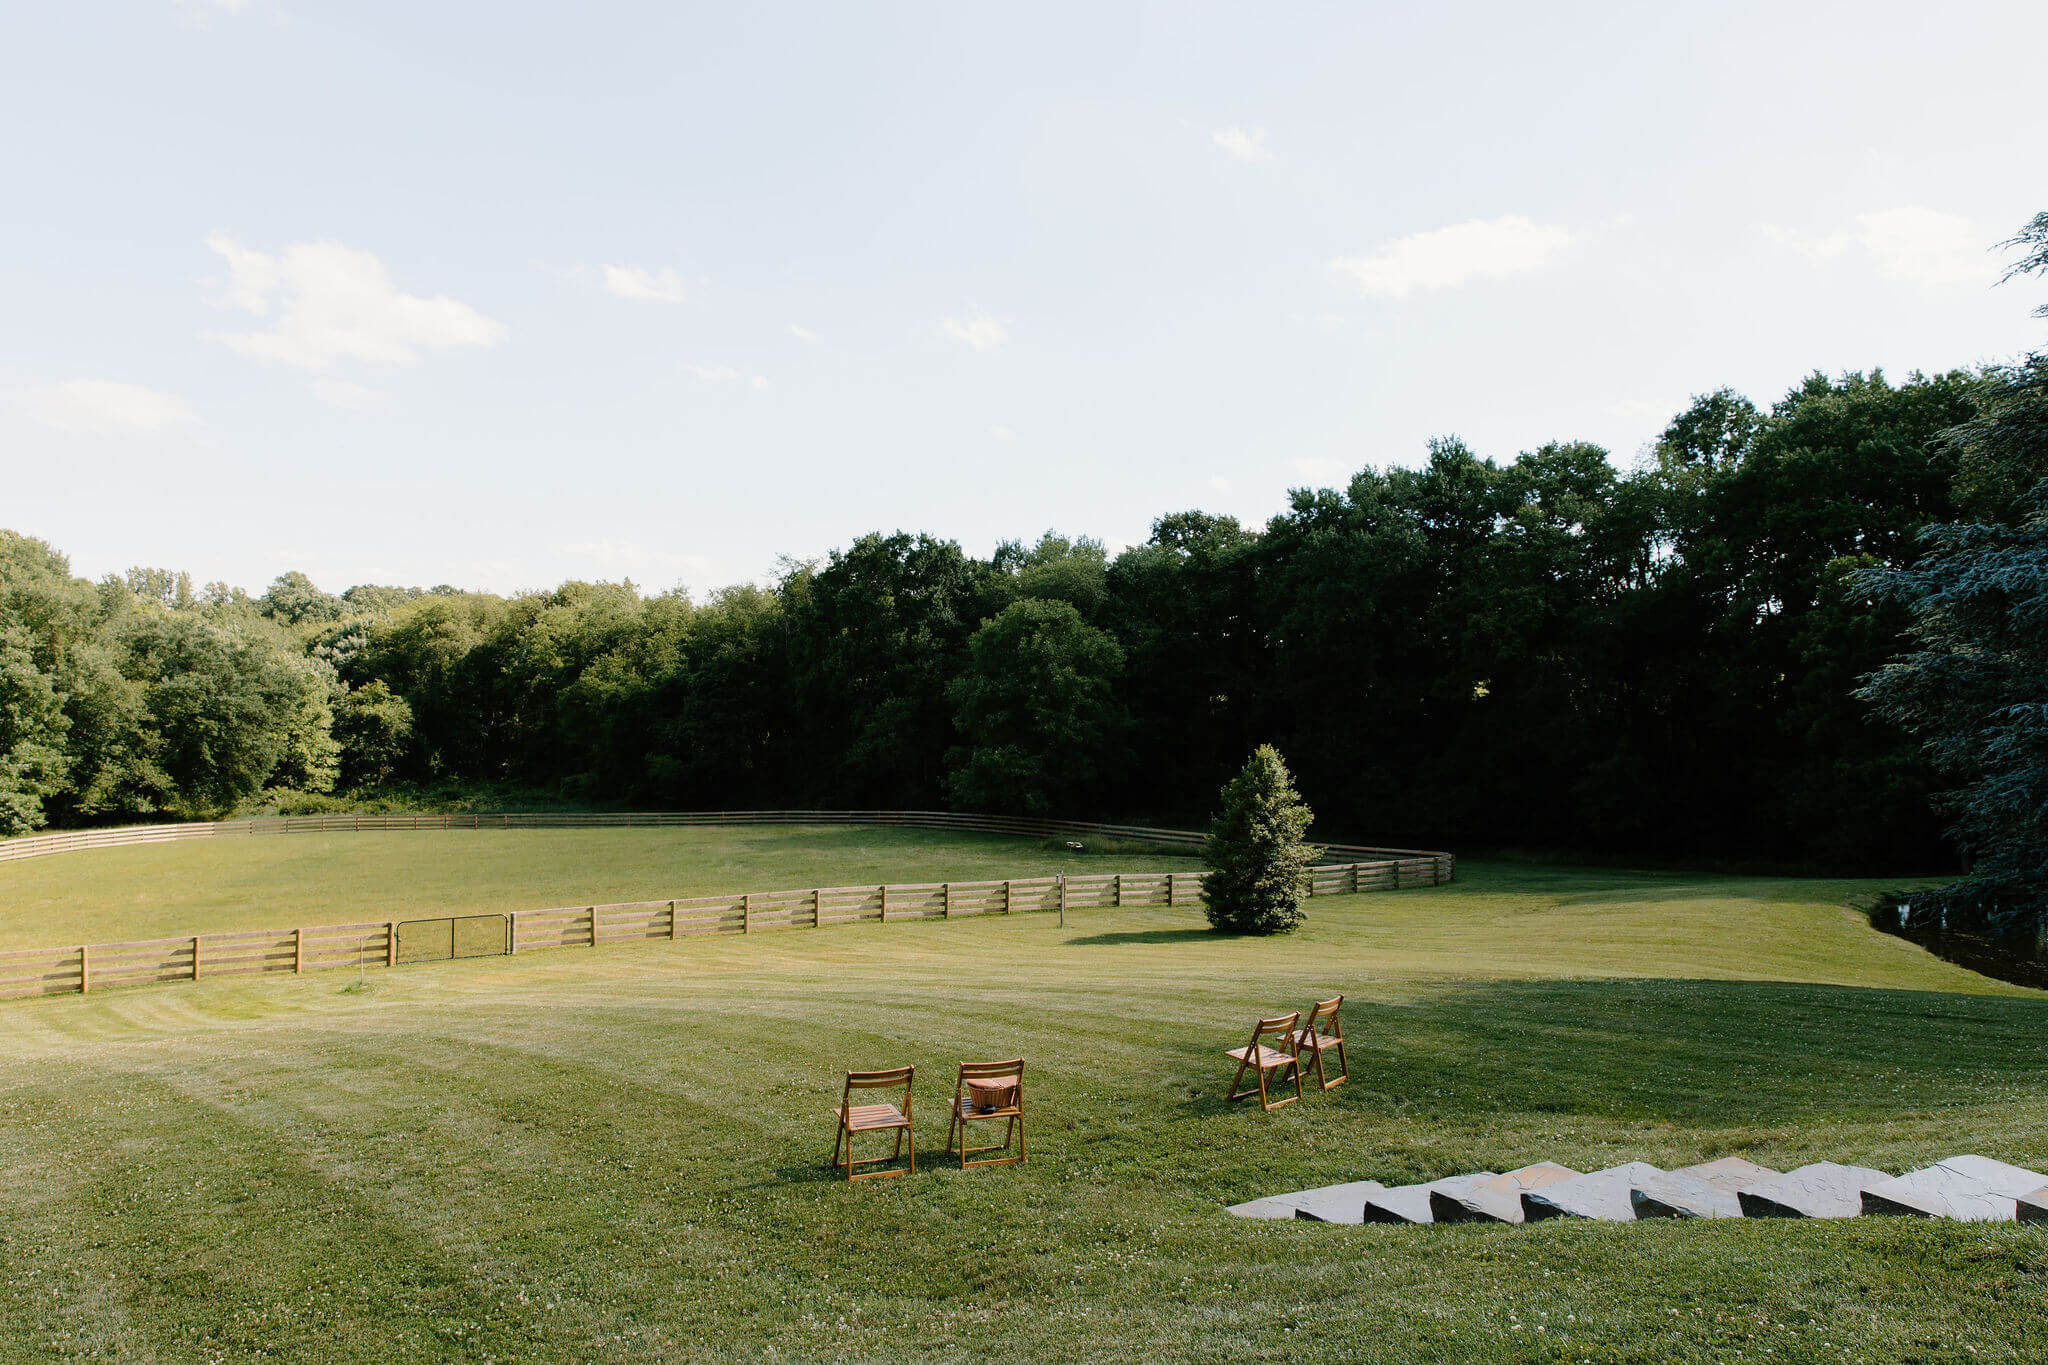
(1343, 1065)
(911, 1133)
(1267, 1108)
(838, 1137)
(1235, 1094)
(1295, 1067)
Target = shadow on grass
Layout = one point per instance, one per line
(1160, 936)
(1695, 1053)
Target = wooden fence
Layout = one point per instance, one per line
(54, 971)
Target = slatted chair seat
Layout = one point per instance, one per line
(867, 1116)
(851, 1118)
(1321, 1035)
(1266, 1061)
(978, 1081)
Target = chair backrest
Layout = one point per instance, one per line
(1283, 1025)
(881, 1080)
(1323, 1018)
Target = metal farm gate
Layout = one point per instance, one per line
(440, 940)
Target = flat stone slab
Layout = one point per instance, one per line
(2032, 1208)
(1822, 1189)
(1410, 1203)
(1600, 1194)
(2013, 1181)
(1969, 1189)
(1336, 1203)
(1324, 1204)
(1703, 1191)
(1496, 1199)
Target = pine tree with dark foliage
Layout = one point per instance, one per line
(1258, 862)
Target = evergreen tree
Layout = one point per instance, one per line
(1258, 862)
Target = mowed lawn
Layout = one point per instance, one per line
(284, 881)
(618, 1154)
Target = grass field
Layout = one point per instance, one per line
(283, 881)
(617, 1154)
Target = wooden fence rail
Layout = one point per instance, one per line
(56, 971)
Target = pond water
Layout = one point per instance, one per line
(2021, 958)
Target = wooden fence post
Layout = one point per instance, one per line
(1169, 890)
(1006, 895)
(817, 907)
(512, 933)
(298, 951)
(1062, 880)
(1117, 894)
(593, 926)
(747, 913)
(671, 919)
(391, 943)
(1354, 879)
(945, 900)
(885, 902)
(84, 970)
(195, 957)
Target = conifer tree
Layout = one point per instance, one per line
(1258, 863)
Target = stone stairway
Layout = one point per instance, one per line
(1965, 1188)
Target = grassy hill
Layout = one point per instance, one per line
(281, 881)
(617, 1154)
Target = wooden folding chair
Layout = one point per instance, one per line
(874, 1118)
(1265, 1060)
(984, 1091)
(1324, 1032)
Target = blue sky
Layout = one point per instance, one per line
(503, 294)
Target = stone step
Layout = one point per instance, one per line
(1969, 1189)
(1336, 1203)
(1703, 1191)
(1324, 1204)
(2032, 1208)
(1602, 1194)
(1410, 1203)
(1496, 1199)
(1821, 1189)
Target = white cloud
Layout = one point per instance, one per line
(1219, 483)
(334, 303)
(629, 559)
(1909, 244)
(1244, 144)
(1327, 471)
(101, 406)
(341, 393)
(803, 333)
(652, 286)
(981, 331)
(1002, 433)
(1447, 257)
(724, 374)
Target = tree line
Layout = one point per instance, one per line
(1542, 652)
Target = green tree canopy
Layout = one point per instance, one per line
(1034, 710)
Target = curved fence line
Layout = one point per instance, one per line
(122, 836)
(390, 943)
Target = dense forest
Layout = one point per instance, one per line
(1544, 652)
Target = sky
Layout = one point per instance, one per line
(503, 294)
